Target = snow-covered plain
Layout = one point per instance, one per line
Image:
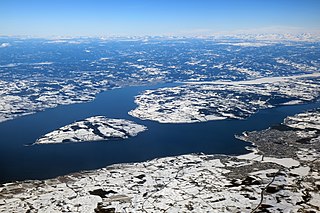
(265, 180)
(96, 128)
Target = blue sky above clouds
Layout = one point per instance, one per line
(155, 17)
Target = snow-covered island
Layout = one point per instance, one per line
(96, 128)
(277, 176)
(205, 101)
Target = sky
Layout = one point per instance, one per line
(44, 18)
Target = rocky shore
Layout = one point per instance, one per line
(281, 174)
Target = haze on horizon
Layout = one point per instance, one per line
(42, 18)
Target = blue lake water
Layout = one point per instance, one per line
(20, 162)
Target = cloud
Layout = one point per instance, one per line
(261, 30)
(273, 29)
(3, 45)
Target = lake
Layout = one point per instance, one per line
(21, 162)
